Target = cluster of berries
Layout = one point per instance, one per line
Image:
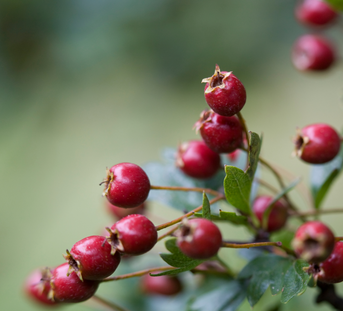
(313, 52)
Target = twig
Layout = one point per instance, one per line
(108, 304)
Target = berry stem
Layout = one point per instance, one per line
(243, 124)
(109, 305)
(196, 189)
(191, 213)
(138, 273)
(249, 245)
(168, 233)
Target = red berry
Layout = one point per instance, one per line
(315, 13)
(317, 143)
(126, 185)
(313, 52)
(37, 287)
(221, 134)
(313, 242)
(160, 285)
(91, 258)
(70, 288)
(278, 214)
(196, 160)
(199, 238)
(133, 235)
(331, 270)
(224, 93)
(120, 212)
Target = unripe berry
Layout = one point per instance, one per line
(313, 242)
(160, 285)
(224, 93)
(331, 270)
(126, 185)
(197, 160)
(199, 238)
(317, 143)
(313, 52)
(221, 134)
(278, 214)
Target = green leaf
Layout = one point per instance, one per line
(336, 4)
(206, 208)
(233, 218)
(254, 152)
(237, 186)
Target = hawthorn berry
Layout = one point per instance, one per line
(120, 212)
(126, 185)
(317, 143)
(37, 287)
(313, 242)
(68, 287)
(221, 134)
(278, 213)
(91, 259)
(132, 235)
(315, 13)
(197, 160)
(313, 52)
(224, 93)
(199, 238)
(331, 270)
(164, 285)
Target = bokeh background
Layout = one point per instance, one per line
(87, 84)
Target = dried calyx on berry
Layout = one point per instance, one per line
(224, 93)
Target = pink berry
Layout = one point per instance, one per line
(70, 288)
(315, 13)
(121, 212)
(160, 285)
(133, 235)
(37, 287)
(278, 214)
(331, 270)
(313, 242)
(221, 134)
(317, 143)
(224, 93)
(126, 185)
(91, 258)
(197, 160)
(313, 52)
(199, 238)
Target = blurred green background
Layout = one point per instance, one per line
(88, 84)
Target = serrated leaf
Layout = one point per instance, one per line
(206, 208)
(258, 285)
(237, 186)
(336, 4)
(254, 152)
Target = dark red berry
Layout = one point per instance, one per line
(196, 160)
(331, 270)
(317, 143)
(315, 13)
(126, 185)
(91, 258)
(221, 134)
(313, 242)
(121, 212)
(278, 214)
(224, 93)
(133, 235)
(313, 52)
(70, 288)
(160, 285)
(199, 238)
(37, 287)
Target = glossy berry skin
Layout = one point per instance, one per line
(313, 242)
(160, 285)
(38, 289)
(224, 93)
(315, 13)
(313, 53)
(221, 134)
(120, 212)
(126, 185)
(91, 259)
(197, 160)
(199, 238)
(133, 235)
(331, 270)
(278, 214)
(317, 143)
(71, 288)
